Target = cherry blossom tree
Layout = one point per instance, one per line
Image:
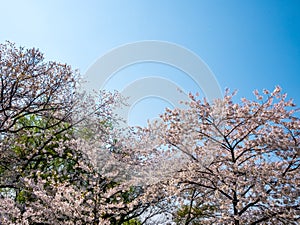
(36, 100)
(57, 165)
(225, 162)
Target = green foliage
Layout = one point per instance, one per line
(34, 153)
(194, 214)
(132, 222)
(44, 142)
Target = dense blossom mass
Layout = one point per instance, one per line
(63, 159)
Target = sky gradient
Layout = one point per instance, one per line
(247, 44)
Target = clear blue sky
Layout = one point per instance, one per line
(247, 44)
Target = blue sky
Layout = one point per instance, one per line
(247, 44)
